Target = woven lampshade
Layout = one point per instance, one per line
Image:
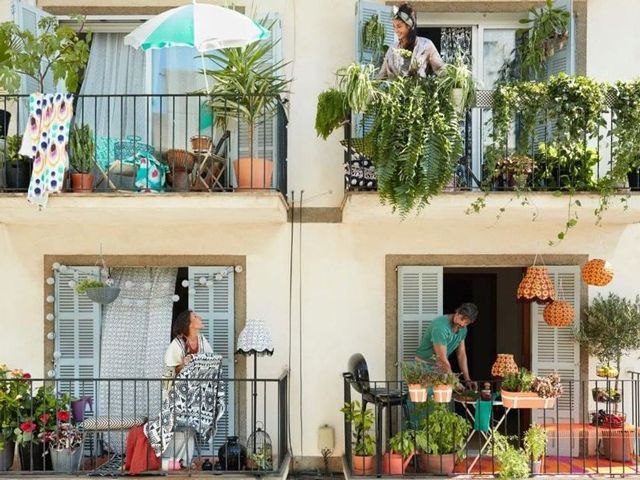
(504, 365)
(597, 272)
(536, 286)
(558, 314)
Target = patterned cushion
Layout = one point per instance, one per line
(104, 424)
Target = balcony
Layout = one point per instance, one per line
(119, 404)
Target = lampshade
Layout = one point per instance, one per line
(255, 339)
(504, 365)
(558, 314)
(597, 272)
(536, 286)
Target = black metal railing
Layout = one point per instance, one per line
(591, 429)
(529, 168)
(103, 415)
(160, 143)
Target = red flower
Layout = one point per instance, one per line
(44, 418)
(63, 416)
(26, 375)
(27, 427)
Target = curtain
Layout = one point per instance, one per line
(135, 334)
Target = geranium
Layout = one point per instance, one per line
(14, 401)
(63, 416)
(40, 413)
(28, 427)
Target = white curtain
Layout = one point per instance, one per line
(114, 69)
(136, 331)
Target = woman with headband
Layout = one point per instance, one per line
(423, 52)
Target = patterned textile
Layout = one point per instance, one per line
(105, 424)
(359, 171)
(196, 400)
(45, 141)
(150, 173)
(136, 329)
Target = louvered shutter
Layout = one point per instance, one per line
(215, 305)
(555, 349)
(364, 11)
(564, 60)
(419, 302)
(264, 143)
(78, 327)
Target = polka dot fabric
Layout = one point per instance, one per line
(536, 286)
(597, 272)
(45, 141)
(558, 314)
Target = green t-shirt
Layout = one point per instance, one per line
(441, 332)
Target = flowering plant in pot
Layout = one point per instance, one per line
(525, 390)
(14, 387)
(363, 441)
(402, 447)
(415, 375)
(65, 444)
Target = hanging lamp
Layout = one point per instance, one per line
(597, 272)
(536, 286)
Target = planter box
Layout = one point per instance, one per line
(417, 393)
(442, 393)
(526, 400)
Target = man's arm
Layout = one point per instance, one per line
(441, 357)
(461, 354)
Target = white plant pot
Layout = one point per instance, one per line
(457, 100)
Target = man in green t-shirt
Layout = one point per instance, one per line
(445, 335)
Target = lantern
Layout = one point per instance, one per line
(536, 286)
(260, 450)
(558, 314)
(504, 365)
(597, 272)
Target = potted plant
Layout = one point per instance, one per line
(65, 444)
(524, 390)
(441, 440)
(513, 172)
(248, 87)
(535, 443)
(81, 157)
(14, 389)
(457, 79)
(17, 167)
(605, 395)
(402, 447)
(97, 290)
(513, 463)
(443, 385)
(363, 442)
(415, 376)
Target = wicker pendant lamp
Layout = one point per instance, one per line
(536, 286)
(597, 272)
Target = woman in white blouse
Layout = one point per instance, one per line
(423, 53)
(187, 342)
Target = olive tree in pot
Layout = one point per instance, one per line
(248, 87)
(363, 442)
(82, 157)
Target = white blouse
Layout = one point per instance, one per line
(424, 53)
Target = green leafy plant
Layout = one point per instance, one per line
(457, 79)
(14, 394)
(518, 382)
(83, 285)
(443, 432)
(373, 36)
(262, 459)
(356, 81)
(611, 328)
(514, 463)
(13, 144)
(43, 411)
(414, 373)
(535, 442)
(403, 443)
(566, 166)
(625, 108)
(57, 50)
(81, 148)
(332, 112)
(444, 378)
(362, 422)
(600, 394)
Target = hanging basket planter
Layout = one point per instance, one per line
(597, 272)
(103, 295)
(559, 314)
(536, 286)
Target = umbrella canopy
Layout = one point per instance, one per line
(202, 26)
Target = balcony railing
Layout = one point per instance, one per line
(117, 405)
(591, 429)
(162, 143)
(533, 169)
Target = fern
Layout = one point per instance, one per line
(331, 112)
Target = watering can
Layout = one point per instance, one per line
(78, 407)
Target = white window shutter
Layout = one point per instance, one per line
(555, 349)
(419, 302)
(215, 305)
(564, 60)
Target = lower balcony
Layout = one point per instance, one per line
(115, 427)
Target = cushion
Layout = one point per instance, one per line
(105, 424)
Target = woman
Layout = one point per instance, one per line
(187, 342)
(423, 52)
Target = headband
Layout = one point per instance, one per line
(403, 16)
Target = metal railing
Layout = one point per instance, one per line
(591, 429)
(160, 143)
(532, 169)
(48, 410)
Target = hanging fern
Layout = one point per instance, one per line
(331, 112)
(373, 36)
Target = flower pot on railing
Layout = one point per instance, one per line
(394, 464)
(6, 455)
(417, 393)
(33, 457)
(526, 400)
(66, 460)
(253, 173)
(438, 464)
(442, 393)
(362, 465)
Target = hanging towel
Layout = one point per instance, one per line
(483, 415)
(45, 142)
(140, 456)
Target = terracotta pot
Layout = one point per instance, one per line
(619, 447)
(81, 182)
(180, 180)
(394, 464)
(253, 173)
(438, 464)
(417, 393)
(525, 400)
(362, 465)
(442, 393)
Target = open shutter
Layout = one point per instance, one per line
(419, 302)
(78, 330)
(555, 349)
(564, 60)
(215, 304)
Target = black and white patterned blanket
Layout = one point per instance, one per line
(196, 400)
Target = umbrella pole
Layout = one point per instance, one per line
(204, 71)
